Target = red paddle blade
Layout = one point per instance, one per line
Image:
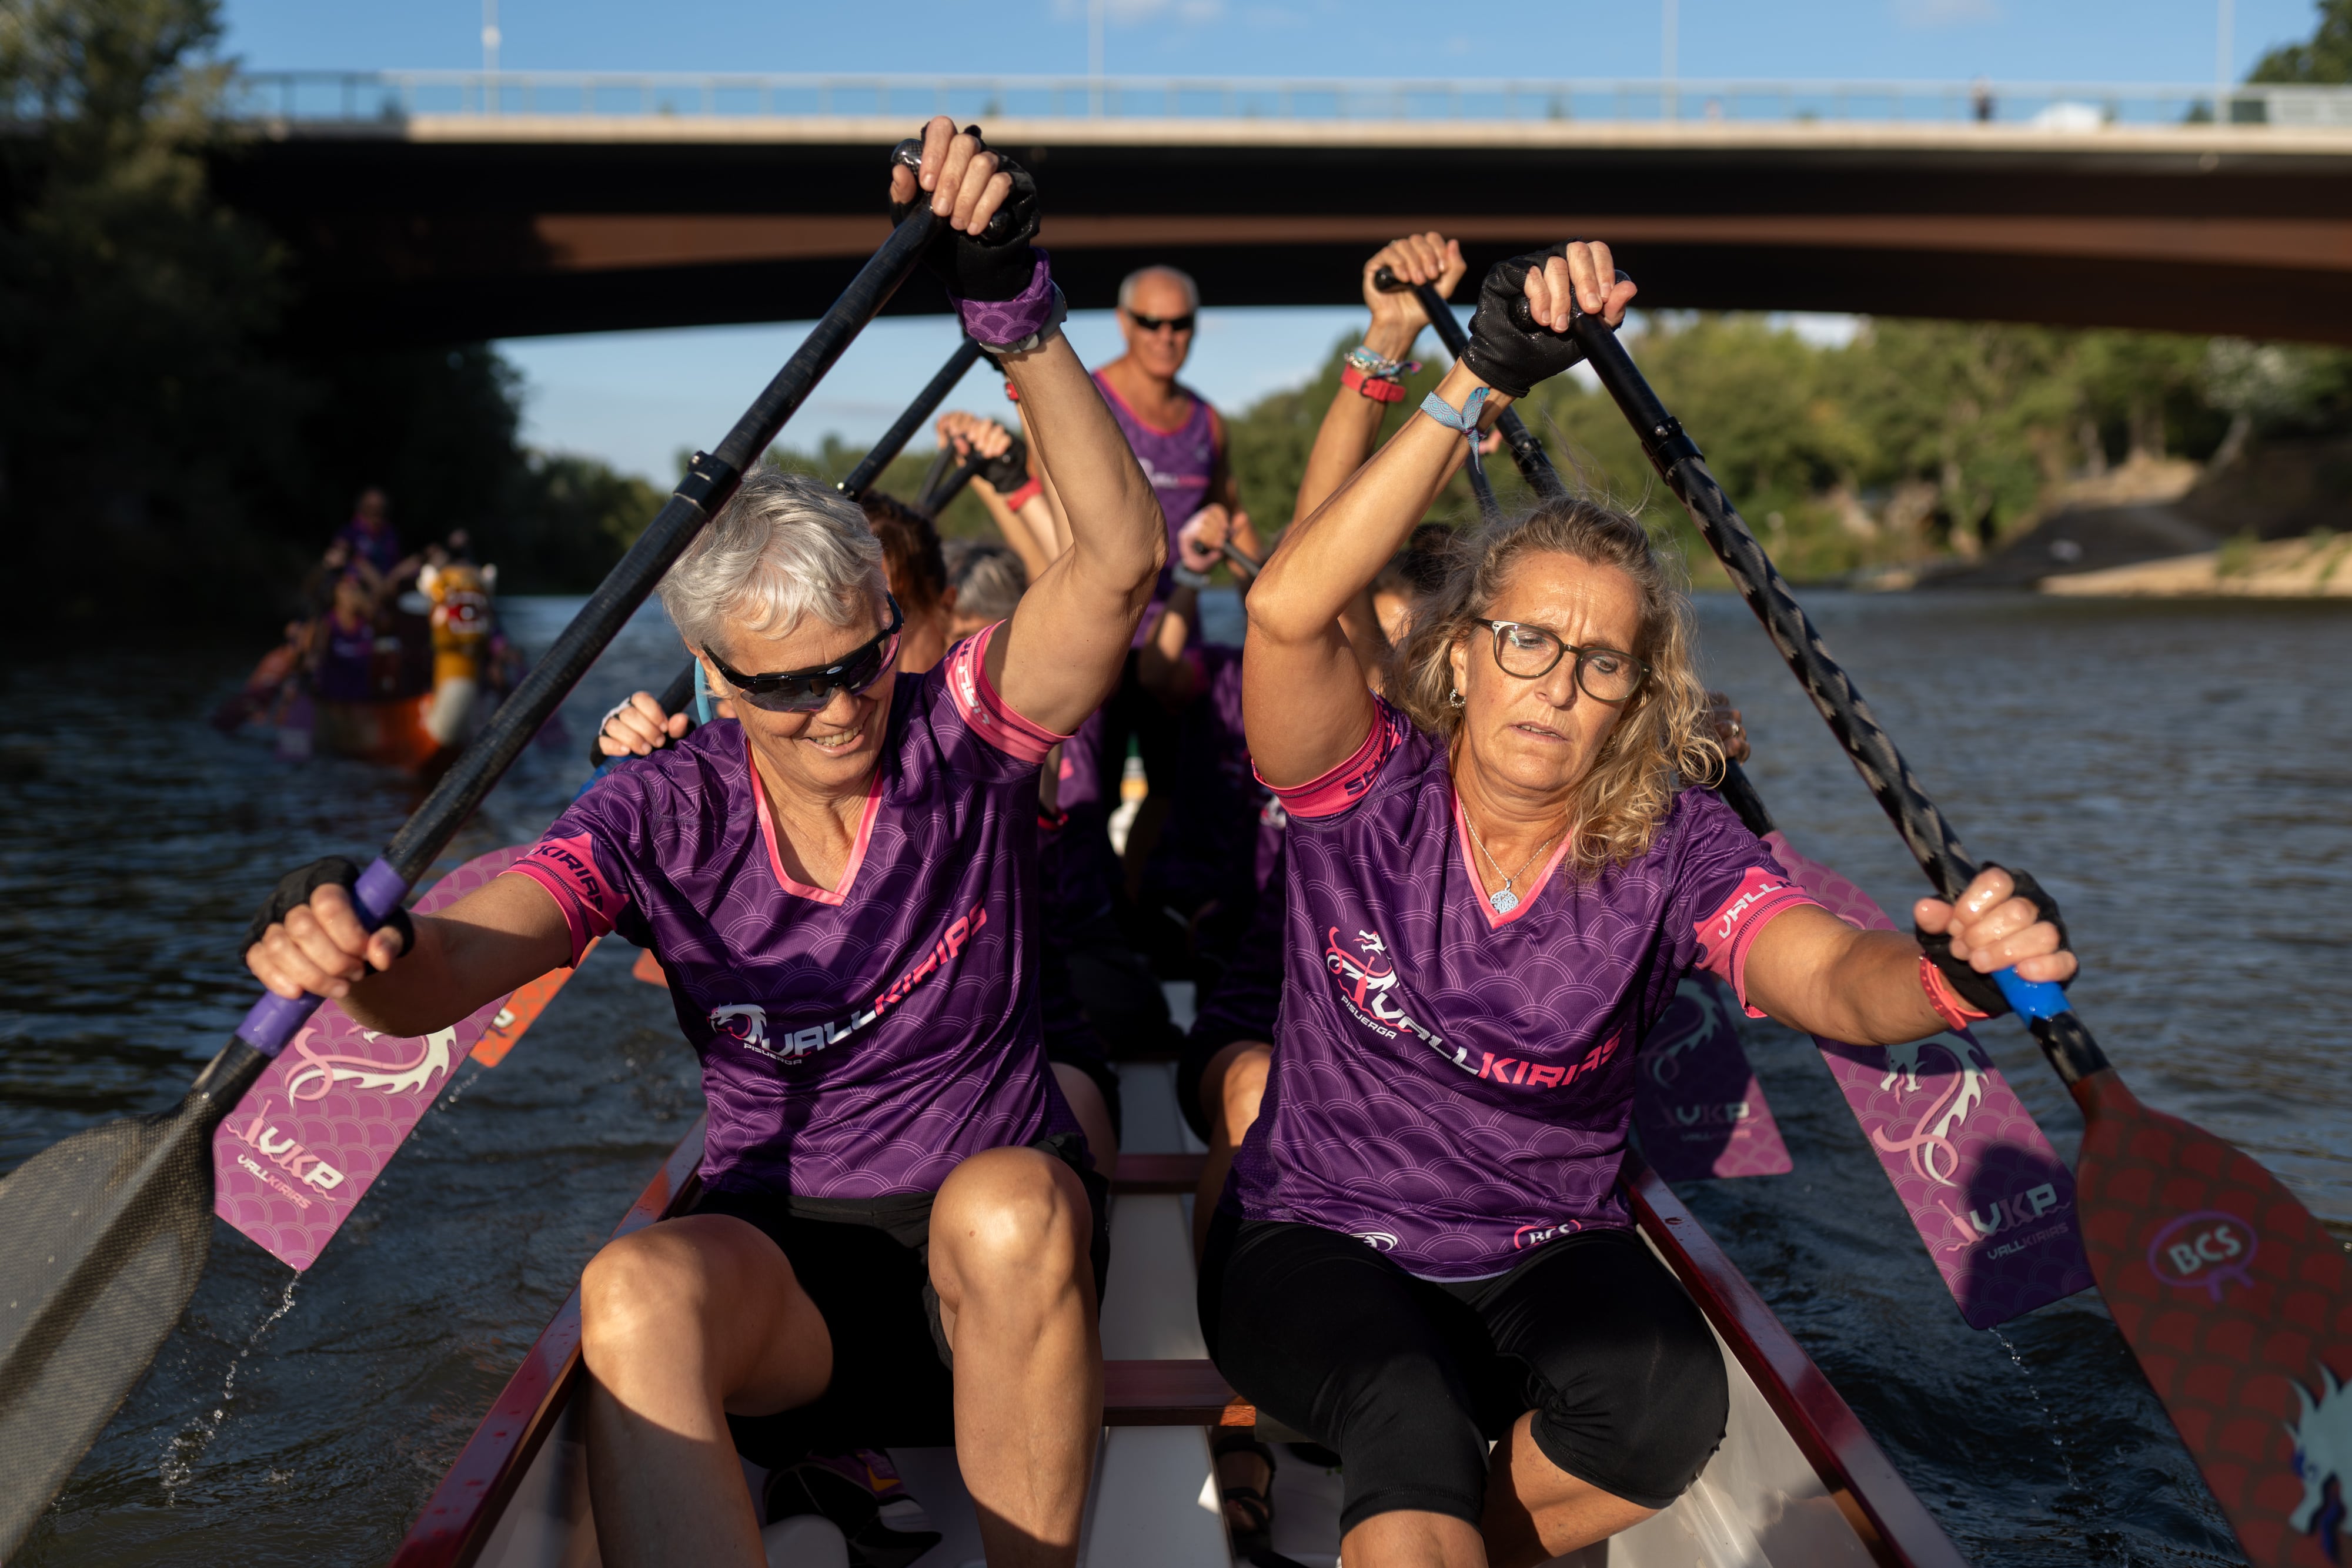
(2238, 1305)
(522, 1010)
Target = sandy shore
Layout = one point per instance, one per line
(2318, 567)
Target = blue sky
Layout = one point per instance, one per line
(636, 398)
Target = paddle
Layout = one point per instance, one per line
(2235, 1300)
(103, 1236)
(1534, 463)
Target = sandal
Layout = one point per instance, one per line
(1253, 1537)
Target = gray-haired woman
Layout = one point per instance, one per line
(901, 1224)
(1497, 873)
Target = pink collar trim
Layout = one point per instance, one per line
(857, 850)
(1470, 860)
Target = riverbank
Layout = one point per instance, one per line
(2310, 568)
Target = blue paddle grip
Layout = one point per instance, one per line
(274, 1020)
(2031, 999)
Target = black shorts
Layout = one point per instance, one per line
(1071, 1039)
(866, 1263)
(1242, 1003)
(1409, 1379)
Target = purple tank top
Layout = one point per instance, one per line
(858, 1043)
(1178, 462)
(1451, 1085)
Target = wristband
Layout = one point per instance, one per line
(1957, 1014)
(1021, 324)
(1465, 420)
(1026, 494)
(1379, 388)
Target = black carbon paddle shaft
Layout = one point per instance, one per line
(1931, 839)
(902, 430)
(1534, 463)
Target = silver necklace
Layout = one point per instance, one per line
(1502, 898)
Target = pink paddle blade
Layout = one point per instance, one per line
(308, 1140)
(1696, 1103)
(1991, 1199)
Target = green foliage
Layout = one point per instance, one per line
(964, 519)
(2325, 57)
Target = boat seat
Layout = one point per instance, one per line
(1167, 1393)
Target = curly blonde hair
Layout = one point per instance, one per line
(1663, 739)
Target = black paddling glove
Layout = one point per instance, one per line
(996, 264)
(294, 888)
(1980, 990)
(1008, 470)
(1507, 351)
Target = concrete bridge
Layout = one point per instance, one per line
(427, 208)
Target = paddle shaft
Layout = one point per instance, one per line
(1933, 843)
(1534, 463)
(902, 430)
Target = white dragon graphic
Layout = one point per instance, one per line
(435, 1054)
(1929, 1145)
(2322, 1454)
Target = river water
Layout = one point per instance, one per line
(2172, 772)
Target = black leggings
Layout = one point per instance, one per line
(1410, 1379)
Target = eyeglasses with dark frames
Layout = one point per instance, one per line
(807, 691)
(1183, 323)
(1531, 653)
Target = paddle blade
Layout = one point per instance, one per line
(102, 1238)
(1696, 1103)
(316, 1129)
(522, 1010)
(1991, 1201)
(2238, 1305)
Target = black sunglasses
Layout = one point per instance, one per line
(1153, 323)
(806, 691)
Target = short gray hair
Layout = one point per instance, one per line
(1126, 286)
(783, 548)
(988, 579)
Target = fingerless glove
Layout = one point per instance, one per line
(294, 888)
(998, 263)
(1507, 351)
(1980, 990)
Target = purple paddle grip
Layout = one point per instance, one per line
(273, 1019)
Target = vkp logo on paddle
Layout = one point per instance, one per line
(2204, 1250)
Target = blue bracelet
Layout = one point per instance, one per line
(1466, 421)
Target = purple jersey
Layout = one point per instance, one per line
(1452, 1085)
(346, 671)
(1223, 824)
(1080, 872)
(378, 544)
(855, 1042)
(1179, 463)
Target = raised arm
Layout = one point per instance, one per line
(1305, 704)
(1352, 424)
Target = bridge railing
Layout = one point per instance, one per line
(363, 97)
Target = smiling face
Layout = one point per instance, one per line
(1539, 738)
(832, 751)
(1160, 353)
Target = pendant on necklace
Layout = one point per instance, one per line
(1503, 899)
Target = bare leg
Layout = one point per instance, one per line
(1085, 1099)
(1010, 1235)
(681, 1323)
(1413, 1539)
(1537, 1511)
(1230, 1092)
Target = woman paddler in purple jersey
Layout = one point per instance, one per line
(838, 887)
(1496, 875)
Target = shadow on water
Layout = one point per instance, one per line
(2171, 772)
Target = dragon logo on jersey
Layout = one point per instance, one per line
(1928, 1145)
(2322, 1457)
(1378, 1240)
(1695, 1017)
(747, 1022)
(1368, 982)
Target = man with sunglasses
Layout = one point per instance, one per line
(900, 1239)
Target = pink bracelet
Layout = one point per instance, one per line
(1957, 1014)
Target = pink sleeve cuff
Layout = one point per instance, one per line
(1726, 935)
(990, 717)
(567, 869)
(1329, 794)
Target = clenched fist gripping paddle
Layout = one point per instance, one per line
(103, 1236)
(2237, 1302)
